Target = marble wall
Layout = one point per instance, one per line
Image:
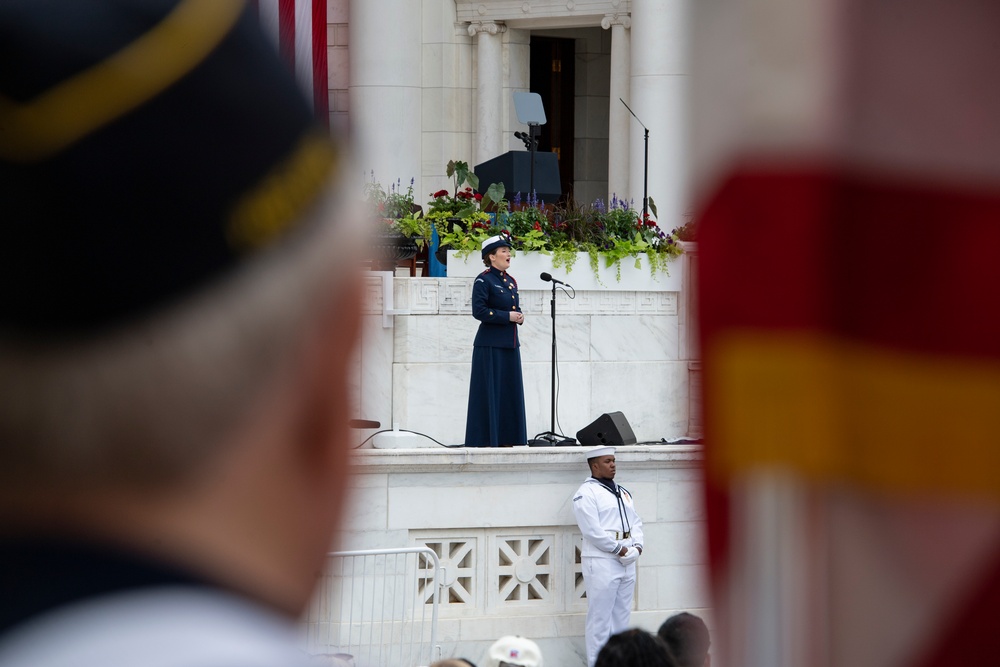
(623, 351)
(501, 519)
(502, 524)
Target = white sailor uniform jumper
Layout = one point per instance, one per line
(608, 521)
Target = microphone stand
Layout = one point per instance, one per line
(533, 132)
(551, 438)
(645, 166)
(552, 308)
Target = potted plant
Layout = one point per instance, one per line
(400, 227)
(609, 234)
(458, 208)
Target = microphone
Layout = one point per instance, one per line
(549, 279)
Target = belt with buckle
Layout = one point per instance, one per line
(619, 535)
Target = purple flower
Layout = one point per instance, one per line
(517, 198)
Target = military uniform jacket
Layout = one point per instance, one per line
(82, 605)
(608, 522)
(494, 296)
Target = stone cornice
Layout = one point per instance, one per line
(490, 27)
(618, 18)
(514, 458)
(552, 13)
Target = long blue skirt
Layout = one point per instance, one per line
(496, 399)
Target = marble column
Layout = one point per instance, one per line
(385, 88)
(489, 88)
(618, 115)
(658, 89)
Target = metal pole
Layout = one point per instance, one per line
(645, 178)
(553, 384)
(531, 136)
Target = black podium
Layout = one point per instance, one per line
(513, 169)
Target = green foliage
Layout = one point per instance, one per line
(395, 212)
(462, 174)
(612, 234)
(464, 236)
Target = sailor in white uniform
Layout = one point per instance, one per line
(612, 543)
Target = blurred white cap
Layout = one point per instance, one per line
(514, 651)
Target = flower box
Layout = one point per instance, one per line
(526, 267)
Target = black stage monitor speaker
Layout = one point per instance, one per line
(608, 429)
(513, 169)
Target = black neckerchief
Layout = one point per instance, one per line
(614, 488)
(609, 483)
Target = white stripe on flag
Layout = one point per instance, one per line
(304, 46)
(268, 10)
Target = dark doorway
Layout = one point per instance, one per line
(553, 64)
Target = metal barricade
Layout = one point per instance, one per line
(377, 608)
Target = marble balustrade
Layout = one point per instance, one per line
(502, 524)
(501, 519)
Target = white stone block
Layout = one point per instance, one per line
(481, 505)
(681, 499)
(674, 543)
(435, 339)
(574, 409)
(623, 338)
(572, 338)
(432, 398)
(651, 395)
(680, 587)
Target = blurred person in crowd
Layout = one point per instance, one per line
(179, 308)
(688, 639)
(514, 651)
(453, 662)
(635, 648)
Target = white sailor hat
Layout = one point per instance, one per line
(494, 242)
(599, 451)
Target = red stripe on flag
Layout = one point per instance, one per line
(319, 52)
(971, 638)
(908, 266)
(286, 31)
(905, 265)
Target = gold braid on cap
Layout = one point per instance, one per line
(77, 107)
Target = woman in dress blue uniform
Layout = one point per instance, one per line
(496, 392)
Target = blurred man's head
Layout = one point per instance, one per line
(179, 299)
(688, 639)
(634, 648)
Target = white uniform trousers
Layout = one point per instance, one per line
(610, 589)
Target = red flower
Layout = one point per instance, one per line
(479, 197)
(538, 226)
(440, 193)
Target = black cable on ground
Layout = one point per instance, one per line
(403, 430)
